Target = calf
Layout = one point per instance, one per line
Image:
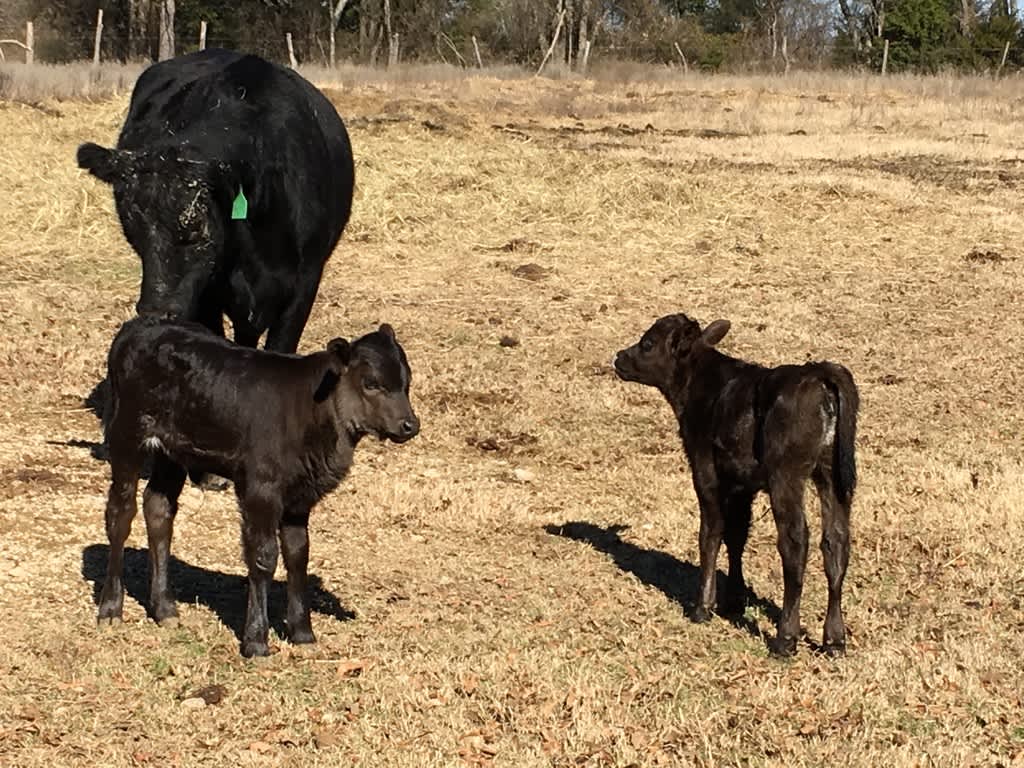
(282, 426)
(746, 428)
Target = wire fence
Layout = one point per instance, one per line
(314, 49)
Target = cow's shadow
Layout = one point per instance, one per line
(222, 593)
(678, 580)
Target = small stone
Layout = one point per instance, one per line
(523, 475)
(193, 702)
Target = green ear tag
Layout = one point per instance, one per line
(240, 207)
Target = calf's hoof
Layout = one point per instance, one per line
(782, 647)
(701, 615)
(169, 622)
(108, 621)
(254, 648)
(833, 649)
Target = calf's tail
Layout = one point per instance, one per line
(844, 464)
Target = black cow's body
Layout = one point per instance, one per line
(201, 129)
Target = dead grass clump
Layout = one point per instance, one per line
(38, 83)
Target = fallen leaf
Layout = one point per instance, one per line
(352, 667)
(211, 694)
(325, 737)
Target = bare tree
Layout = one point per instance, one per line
(166, 29)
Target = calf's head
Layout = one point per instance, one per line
(367, 383)
(666, 349)
(172, 209)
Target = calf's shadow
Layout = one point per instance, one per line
(678, 580)
(222, 593)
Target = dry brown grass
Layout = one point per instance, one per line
(887, 235)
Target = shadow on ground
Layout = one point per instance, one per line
(222, 593)
(678, 580)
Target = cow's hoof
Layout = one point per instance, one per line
(701, 615)
(169, 622)
(833, 650)
(108, 621)
(301, 636)
(251, 649)
(782, 647)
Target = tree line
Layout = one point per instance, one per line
(735, 35)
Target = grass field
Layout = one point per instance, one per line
(508, 589)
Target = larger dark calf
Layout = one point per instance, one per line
(747, 428)
(282, 426)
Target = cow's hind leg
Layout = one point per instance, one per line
(121, 510)
(294, 537)
(787, 497)
(737, 528)
(835, 550)
(284, 334)
(159, 506)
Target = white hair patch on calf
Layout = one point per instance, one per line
(153, 444)
(828, 419)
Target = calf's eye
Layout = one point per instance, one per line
(646, 345)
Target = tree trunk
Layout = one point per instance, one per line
(968, 18)
(852, 24)
(139, 14)
(581, 43)
(166, 29)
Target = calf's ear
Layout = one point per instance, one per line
(107, 165)
(327, 385)
(715, 332)
(341, 349)
(387, 330)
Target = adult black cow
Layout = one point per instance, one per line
(233, 181)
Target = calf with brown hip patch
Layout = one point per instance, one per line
(746, 428)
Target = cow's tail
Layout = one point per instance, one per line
(844, 460)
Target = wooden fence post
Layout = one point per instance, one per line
(291, 51)
(1002, 61)
(885, 57)
(586, 57)
(202, 35)
(393, 51)
(30, 43)
(99, 36)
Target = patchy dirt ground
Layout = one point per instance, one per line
(509, 588)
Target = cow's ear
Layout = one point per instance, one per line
(108, 165)
(341, 350)
(715, 332)
(387, 330)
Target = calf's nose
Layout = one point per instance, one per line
(410, 427)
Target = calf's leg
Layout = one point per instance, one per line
(737, 512)
(294, 535)
(787, 497)
(712, 524)
(261, 515)
(121, 510)
(835, 550)
(159, 506)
